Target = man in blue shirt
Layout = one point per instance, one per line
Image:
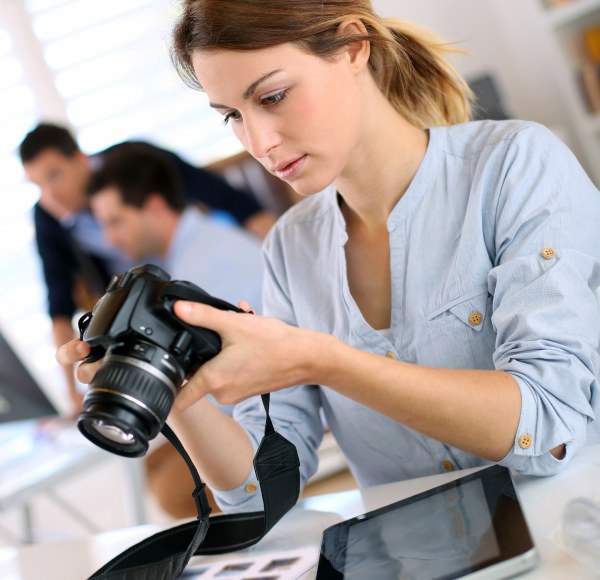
(138, 201)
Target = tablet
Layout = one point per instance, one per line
(472, 527)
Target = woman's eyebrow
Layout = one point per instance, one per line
(250, 90)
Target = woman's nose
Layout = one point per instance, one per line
(260, 138)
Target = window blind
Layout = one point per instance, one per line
(111, 66)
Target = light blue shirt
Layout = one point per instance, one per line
(222, 259)
(499, 221)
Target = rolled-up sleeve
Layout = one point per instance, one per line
(544, 287)
(294, 413)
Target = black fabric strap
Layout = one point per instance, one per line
(165, 555)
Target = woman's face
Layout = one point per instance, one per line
(296, 113)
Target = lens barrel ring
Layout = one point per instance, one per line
(130, 398)
(137, 384)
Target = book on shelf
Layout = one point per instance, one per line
(591, 39)
(557, 3)
(584, 47)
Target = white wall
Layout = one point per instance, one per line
(504, 37)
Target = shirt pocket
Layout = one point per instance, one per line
(469, 309)
(459, 333)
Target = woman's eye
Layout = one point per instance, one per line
(268, 101)
(273, 99)
(233, 116)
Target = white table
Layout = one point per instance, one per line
(54, 453)
(543, 500)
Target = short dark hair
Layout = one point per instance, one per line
(47, 136)
(138, 171)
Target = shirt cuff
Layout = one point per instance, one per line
(245, 498)
(526, 454)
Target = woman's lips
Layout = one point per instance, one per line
(288, 171)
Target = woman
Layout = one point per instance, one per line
(441, 291)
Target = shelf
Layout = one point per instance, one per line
(572, 43)
(570, 13)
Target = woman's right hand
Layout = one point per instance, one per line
(258, 355)
(74, 352)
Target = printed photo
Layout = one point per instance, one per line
(233, 569)
(280, 564)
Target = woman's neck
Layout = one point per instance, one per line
(383, 164)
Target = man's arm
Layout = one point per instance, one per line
(59, 262)
(58, 266)
(214, 192)
(63, 332)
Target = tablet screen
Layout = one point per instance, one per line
(446, 532)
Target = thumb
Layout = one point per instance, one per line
(203, 315)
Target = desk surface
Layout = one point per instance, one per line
(543, 499)
(36, 458)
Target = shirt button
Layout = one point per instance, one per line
(525, 441)
(391, 355)
(447, 465)
(251, 487)
(547, 253)
(475, 318)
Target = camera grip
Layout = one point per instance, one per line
(96, 353)
(180, 290)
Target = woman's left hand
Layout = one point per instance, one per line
(75, 352)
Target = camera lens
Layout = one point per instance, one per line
(130, 397)
(113, 432)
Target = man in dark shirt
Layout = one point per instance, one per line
(76, 260)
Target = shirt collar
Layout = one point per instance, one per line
(406, 203)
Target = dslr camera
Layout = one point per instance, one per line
(147, 352)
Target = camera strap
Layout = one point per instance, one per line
(165, 555)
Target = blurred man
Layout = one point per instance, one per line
(138, 201)
(76, 261)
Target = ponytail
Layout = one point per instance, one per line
(409, 66)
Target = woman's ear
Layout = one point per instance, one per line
(358, 50)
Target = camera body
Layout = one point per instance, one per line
(147, 352)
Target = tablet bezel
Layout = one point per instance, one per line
(513, 559)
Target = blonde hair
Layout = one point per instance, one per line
(408, 63)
